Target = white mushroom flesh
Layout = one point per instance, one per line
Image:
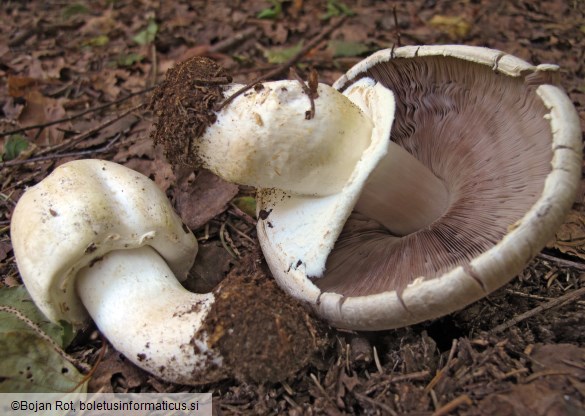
(139, 305)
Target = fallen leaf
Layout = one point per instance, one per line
(114, 363)
(281, 55)
(344, 48)
(29, 362)
(247, 204)
(204, 198)
(13, 146)
(147, 35)
(5, 248)
(212, 266)
(19, 299)
(570, 237)
(455, 27)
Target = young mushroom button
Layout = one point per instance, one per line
(380, 225)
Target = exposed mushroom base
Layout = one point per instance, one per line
(485, 135)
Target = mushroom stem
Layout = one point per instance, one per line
(402, 194)
(138, 304)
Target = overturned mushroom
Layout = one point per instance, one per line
(96, 237)
(506, 146)
(481, 167)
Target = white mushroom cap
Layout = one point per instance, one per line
(97, 237)
(82, 211)
(294, 251)
(264, 139)
(480, 168)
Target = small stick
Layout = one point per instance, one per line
(73, 140)
(453, 404)
(74, 116)
(563, 262)
(387, 409)
(47, 158)
(283, 67)
(311, 113)
(560, 301)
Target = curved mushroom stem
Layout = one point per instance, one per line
(138, 304)
(402, 194)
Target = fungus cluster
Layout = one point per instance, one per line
(428, 177)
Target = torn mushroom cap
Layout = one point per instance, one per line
(112, 233)
(505, 143)
(264, 139)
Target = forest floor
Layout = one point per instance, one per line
(519, 351)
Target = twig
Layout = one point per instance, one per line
(311, 112)
(43, 335)
(224, 45)
(73, 141)
(387, 409)
(453, 404)
(567, 263)
(74, 116)
(279, 70)
(560, 301)
(417, 376)
(535, 297)
(47, 158)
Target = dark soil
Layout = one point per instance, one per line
(519, 351)
(183, 104)
(262, 334)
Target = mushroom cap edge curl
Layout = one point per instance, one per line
(426, 299)
(97, 237)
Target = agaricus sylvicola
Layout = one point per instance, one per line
(427, 215)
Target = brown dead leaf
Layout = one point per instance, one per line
(456, 27)
(563, 358)
(120, 126)
(38, 109)
(5, 248)
(157, 170)
(115, 364)
(570, 238)
(99, 25)
(550, 390)
(204, 198)
(212, 266)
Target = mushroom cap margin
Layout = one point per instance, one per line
(81, 211)
(428, 299)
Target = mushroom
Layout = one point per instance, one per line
(481, 166)
(506, 145)
(97, 238)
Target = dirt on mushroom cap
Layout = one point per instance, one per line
(183, 104)
(261, 333)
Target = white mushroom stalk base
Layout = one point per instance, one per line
(143, 310)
